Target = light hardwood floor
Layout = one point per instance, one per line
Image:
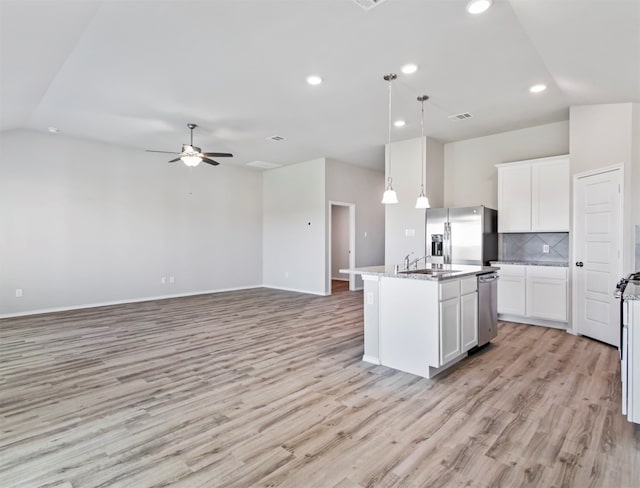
(267, 388)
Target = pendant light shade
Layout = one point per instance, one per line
(389, 195)
(422, 201)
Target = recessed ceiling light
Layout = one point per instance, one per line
(407, 69)
(538, 88)
(53, 130)
(399, 123)
(314, 80)
(478, 6)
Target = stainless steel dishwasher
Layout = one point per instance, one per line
(487, 307)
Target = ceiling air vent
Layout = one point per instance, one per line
(275, 138)
(462, 116)
(368, 4)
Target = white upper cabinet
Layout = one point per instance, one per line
(514, 198)
(550, 195)
(533, 195)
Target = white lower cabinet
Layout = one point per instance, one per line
(469, 320)
(547, 293)
(537, 292)
(450, 344)
(511, 290)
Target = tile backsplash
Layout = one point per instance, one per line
(529, 247)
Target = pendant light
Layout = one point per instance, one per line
(422, 201)
(389, 195)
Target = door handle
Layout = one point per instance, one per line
(579, 264)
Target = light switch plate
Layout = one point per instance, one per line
(545, 248)
(410, 232)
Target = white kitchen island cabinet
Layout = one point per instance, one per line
(420, 324)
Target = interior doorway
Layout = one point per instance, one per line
(342, 230)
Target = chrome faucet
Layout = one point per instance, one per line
(407, 263)
(415, 262)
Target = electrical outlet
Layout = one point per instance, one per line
(171, 279)
(410, 232)
(545, 248)
(369, 298)
(18, 292)
(163, 280)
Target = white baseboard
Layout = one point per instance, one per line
(339, 279)
(122, 302)
(308, 292)
(370, 359)
(533, 321)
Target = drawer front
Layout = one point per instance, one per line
(449, 290)
(468, 285)
(511, 270)
(549, 272)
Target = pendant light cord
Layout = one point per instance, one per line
(389, 144)
(422, 162)
(390, 77)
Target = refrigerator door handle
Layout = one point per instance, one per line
(447, 243)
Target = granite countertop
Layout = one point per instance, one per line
(631, 292)
(448, 271)
(532, 263)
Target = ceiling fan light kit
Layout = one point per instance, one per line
(192, 155)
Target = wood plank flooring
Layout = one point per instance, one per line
(267, 388)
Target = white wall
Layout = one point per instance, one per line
(83, 223)
(406, 158)
(294, 227)
(470, 177)
(339, 241)
(363, 187)
(606, 135)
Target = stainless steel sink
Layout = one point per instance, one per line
(428, 271)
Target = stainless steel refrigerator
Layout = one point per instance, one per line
(466, 235)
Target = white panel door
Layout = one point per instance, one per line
(598, 256)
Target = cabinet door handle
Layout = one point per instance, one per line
(579, 264)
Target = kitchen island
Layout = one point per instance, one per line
(420, 321)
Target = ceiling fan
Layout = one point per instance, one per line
(192, 155)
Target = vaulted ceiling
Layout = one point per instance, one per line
(135, 72)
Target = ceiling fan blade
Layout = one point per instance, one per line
(174, 160)
(210, 161)
(218, 155)
(164, 152)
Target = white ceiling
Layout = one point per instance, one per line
(135, 72)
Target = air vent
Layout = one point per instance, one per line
(263, 165)
(275, 138)
(368, 4)
(462, 116)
